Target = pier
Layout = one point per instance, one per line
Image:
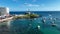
(6, 19)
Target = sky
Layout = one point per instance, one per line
(32, 5)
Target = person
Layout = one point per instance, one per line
(54, 19)
(38, 26)
(43, 20)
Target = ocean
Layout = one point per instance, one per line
(44, 13)
(30, 26)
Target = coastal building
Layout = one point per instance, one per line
(4, 11)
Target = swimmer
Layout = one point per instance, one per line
(30, 24)
(50, 18)
(34, 18)
(38, 26)
(43, 21)
(54, 19)
(50, 15)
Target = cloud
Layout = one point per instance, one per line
(30, 5)
(33, 5)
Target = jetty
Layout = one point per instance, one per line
(6, 19)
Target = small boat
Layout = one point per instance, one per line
(53, 25)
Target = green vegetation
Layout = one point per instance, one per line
(26, 16)
(19, 17)
(32, 15)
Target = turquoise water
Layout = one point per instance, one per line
(30, 26)
(22, 26)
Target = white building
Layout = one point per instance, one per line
(4, 11)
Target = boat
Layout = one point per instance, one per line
(53, 25)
